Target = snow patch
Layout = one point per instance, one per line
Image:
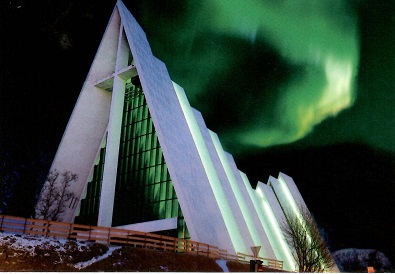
(94, 260)
(222, 264)
(30, 244)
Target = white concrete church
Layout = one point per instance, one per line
(146, 161)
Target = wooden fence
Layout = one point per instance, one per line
(266, 262)
(110, 235)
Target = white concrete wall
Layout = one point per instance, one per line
(244, 220)
(245, 203)
(285, 253)
(276, 238)
(256, 209)
(292, 188)
(218, 203)
(114, 136)
(290, 198)
(86, 127)
(274, 204)
(201, 212)
(287, 193)
(230, 210)
(153, 226)
(264, 220)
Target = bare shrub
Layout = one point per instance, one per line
(309, 249)
(54, 195)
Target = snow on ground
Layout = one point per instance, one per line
(222, 264)
(94, 260)
(29, 243)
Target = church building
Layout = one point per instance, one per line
(146, 161)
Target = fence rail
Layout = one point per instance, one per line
(110, 235)
(266, 261)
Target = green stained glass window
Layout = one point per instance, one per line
(90, 204)
(144, 190)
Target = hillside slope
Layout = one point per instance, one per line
(31, 253)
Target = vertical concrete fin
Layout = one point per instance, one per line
(181, 151)
(88, 122)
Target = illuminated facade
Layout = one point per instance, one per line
(146, 161)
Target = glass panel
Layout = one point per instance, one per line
(174, 207)
(163, 190)
(162, 210)
(170, 191)
(144, 191)
(168, 208)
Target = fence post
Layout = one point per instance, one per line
(127, 237)
(1, 225)
(31, 220)
(47, 232)
(70, 229)
(109, 235)
(24, 227)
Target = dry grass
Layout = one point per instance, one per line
(27, 253)
(53, 255)
(148, 260)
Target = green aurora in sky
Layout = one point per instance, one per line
(305, 87)
(267, 73)
(323, 45)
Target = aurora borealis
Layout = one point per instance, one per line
(305, 87)
(319, 44)
(316, 46)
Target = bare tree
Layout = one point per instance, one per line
(54, 195)
(309, 249)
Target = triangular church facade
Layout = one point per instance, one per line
(146, 161)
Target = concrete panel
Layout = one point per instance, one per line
(225, 211)
(114, 135)
(234, 219)
(190, 180)
(280, 220)
(112, 151)
(274, 204)
(245, 203)
(152, 226)
(292, 188)
(285, 196)
(86, 127)
(264, 219)
(266, 249)
(244, 220)
(276, 237)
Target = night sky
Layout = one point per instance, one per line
(298, 86)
